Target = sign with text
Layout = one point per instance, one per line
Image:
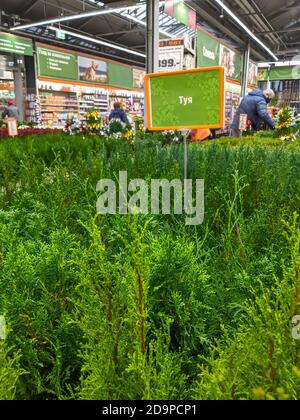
(12, 127)
(171, 55)
(243, 119)
(15, 44)
(185, 99)
(208, 50)
(56, 63)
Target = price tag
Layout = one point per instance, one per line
(12, 127)
(171, 58)
(243, 122)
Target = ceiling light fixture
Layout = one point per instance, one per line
(224, 7)
(74, 17)
(98, 41)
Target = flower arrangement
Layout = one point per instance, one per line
(118, 130)
(75, 126)
(286, 125)
(93, 121)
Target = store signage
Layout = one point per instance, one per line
(208, 50)
(209, 54)
(232, 62)
(12, 127)
(15, 44)
(57, 63)
(181, 12)
(60, 34)
(138, 78)
(243, 122)
(252, 75)
(185, 99)
(171, 55)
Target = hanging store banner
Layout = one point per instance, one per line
(181, 11)
(171, 55)
(252, 75)
(92, 70)
(15, 44)
(57, 63)
(138, 78)
(208, 50)
(185, 99)
(262, 74)
(232, 63)
(285, 73)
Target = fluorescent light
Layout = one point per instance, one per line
(98, 3)
(97, 41)
(220, 2)
(73, 17)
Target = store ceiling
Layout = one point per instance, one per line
(276, 23)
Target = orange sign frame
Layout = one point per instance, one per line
(198, 70)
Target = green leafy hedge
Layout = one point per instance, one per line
(145, 307)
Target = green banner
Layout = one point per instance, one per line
(186, 100)
(15, 44)
(120, 76)
(56, 63)
(279, 73)
(181, 12)
(232, 62)
(208, 50)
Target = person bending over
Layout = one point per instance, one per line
(255, 106)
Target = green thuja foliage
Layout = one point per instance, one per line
(10, 372)
(262, 360)
(137, 306)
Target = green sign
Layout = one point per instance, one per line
(280, 73)
(119, 75)
(56, 63)
(15, 44)
(208, 50)
(185, 99)
(181, 12)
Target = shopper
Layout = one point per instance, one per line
(118, 114)
(11, 111)
(255, 106)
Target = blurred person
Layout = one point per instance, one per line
(118, 113)
(255, 106)
(11, 111)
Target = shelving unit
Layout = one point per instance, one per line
(57, 107)
(89, 101)
(32, 108)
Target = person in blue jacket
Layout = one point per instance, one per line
(255, 106)
(118, 113)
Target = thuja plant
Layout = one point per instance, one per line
(262, 360)
(10, 372)
(119, 359)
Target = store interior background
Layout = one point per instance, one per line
(50, 93)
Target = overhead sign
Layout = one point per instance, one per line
(185, 99)
(208, 50)
(15, 44)
(57, 63)
(171, 55)
(181, 12)
(252, 76)
(232, 62)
